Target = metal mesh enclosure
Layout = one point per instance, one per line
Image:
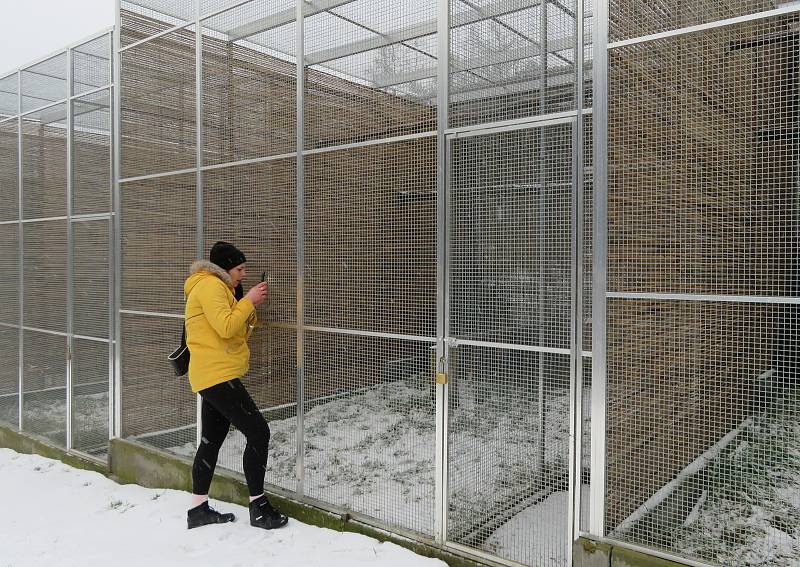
(703, 229)
(44, 385)
(56, 155)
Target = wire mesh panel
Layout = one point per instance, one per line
(158, 242)
(9, 95)
(588, 220)
(44, 383)
(510, 244)
(44, 259)
(90, 277)
(9, 170)
(157, 407)
(91, 65)
(142, 19)
(372, 71)
(370, 249)
(157, 105)
(630, 19)
(9, 267)
(702, 425)
(9, 376)
(90, 372)
(508, 453)
(44, 83)
(510, 60)
(369, 427)
(44, 163)
(91, 154)
(249, 88)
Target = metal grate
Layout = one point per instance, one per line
(90, 372)
(249, 97)
(705, 204)
(508, 447)
(9, 267)
(369, 427)
(510, 247)
(44, 259)
(9, 170)
(370, 250)
(153, 400)
(44, 163)
(588, 227)
(255, 206)
(90, 245)
(158, 108)
(91, 154)
(44, 401)
(631, 19)
(141, 19)
(44, 83)
(91, 65)
(158, 242)
(9, 95)
(9, 376)
(374, 63)
(498, 69)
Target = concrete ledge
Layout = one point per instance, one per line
(34, 445)
(621, 557)
(589, 553)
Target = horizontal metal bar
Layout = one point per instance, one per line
(55, 389)
(282, 18)
(43, 219)
(158, 175)
(9, 325)
(356, 332)
(151, 314)
(227, 8)
(53, 104)
(456, 342)
(678, 559)
(483, 556)
(91, 92)
(249, 161)
(704, 297)
(707, 26)
(510, 125)
(92, 217)
(156, 36)
(45, 331)
(367, 143)
(88, 338)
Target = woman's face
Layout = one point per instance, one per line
(238, 274)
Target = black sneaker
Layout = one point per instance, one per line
(263, 515)
(203, 515)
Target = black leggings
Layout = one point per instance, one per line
(225, 404)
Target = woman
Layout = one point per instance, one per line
(218, 323)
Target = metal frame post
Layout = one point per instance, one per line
(442, 269)
(20, 250)
(300, 247)
(198, 93)
(70, 255)
(112, 255)
(116, 206)
(540, 249)
(599, 261)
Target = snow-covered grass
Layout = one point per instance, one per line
(752, 514)
(56, 515)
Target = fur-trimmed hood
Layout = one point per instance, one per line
(204, 268)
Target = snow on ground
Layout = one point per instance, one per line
(57, 515)
(752, 515)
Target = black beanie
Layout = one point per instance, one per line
(226, 256)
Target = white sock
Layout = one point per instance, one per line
(198, 499)
(255, 497)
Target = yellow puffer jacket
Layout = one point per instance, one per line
(217, 327)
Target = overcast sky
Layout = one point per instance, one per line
(33, 28)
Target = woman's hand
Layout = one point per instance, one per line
(257, 293)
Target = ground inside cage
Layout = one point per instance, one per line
(744, 507)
